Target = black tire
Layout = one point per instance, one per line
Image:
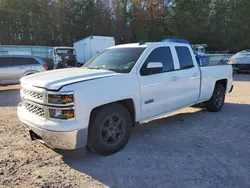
(217, 100)
(59, 66)
(110, 129)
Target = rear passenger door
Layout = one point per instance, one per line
(22, 64)
(187, 77)
(9, 72)
(159, 92)
(25, 65)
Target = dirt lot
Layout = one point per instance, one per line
(191, 148)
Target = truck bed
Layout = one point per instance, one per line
(210, 74)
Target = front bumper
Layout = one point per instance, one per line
(68, 140)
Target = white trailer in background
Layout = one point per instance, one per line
(91, 46)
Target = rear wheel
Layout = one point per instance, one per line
(217, 100)
(110, 129)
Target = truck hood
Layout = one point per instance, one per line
(56, 79)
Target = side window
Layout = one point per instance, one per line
(162, 55)
(31, 61)
(184, 57)
(4, 62)
(17, 61)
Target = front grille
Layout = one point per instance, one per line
(33, 94)
(36, 110)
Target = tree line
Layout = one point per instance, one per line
(222, 24)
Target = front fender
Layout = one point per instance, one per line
(94, 93)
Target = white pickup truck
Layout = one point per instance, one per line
(98, 104)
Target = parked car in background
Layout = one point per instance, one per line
(12, 68)
(241, 61)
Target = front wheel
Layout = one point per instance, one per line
(110, 129)
(217, 100)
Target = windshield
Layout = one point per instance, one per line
(65, 51)
(120, 60)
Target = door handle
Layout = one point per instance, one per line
(175, 78)
(22, 68)
(195, 75)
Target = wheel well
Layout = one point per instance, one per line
(222, 82)
(127, 103)
(30, 73)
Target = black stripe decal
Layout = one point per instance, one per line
(74, 83)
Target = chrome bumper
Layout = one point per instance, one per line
(68, 140)
(59, 140)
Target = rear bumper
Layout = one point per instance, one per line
(68, 140)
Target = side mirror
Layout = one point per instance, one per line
(153, 68)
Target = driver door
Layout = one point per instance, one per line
(159, 91)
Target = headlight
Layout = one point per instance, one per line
(63, 98)
(61, 114)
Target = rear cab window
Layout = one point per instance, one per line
(184, 57)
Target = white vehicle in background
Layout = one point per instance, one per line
(97, 105)
(241, 61)
(200, 48)
(64, 57)
(91, 46)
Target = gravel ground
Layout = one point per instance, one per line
(191, 148)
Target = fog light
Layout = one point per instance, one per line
(61, 114)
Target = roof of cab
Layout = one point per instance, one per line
(145, 45)
(131, 45)
(63, 47)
